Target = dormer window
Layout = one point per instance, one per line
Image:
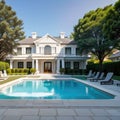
(47, 50)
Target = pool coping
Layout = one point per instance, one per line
(61, 103)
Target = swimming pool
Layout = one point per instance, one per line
(52, 89)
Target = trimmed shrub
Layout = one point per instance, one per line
(75, 71)
(8, 71)
(13, 70)
(62, 70)
(16, 70)
(26, 70)
(32, 70)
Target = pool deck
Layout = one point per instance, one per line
(63, 109)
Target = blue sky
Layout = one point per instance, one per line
(53, 16)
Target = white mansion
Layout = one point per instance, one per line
(48, 54)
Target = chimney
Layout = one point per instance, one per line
(34, 35)
(62, 35)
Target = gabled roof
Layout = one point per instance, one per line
(27, 41)
(66, 40)
(47, 36)
(115, 55)
(63, 41)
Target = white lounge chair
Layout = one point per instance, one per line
(108, 79)
(99, 78)
(5, 73)
(3, 76)
(95, 77)
(89, 74)
(92, 75)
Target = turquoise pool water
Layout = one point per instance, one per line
(52, 89)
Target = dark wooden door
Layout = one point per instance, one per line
(48, 67)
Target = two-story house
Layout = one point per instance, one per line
(48, 54)
(115, 56)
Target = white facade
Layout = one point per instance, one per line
(47, 54)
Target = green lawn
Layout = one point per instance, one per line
(116, 77)
(11, 78)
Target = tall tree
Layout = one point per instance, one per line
(10, 30)
(90, 36)
(112, 25)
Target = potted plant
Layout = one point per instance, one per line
(33, 70)
(62, 70)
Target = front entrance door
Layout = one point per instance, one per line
(48, 67)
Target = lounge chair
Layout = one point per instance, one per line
(3, 76)
(99, 78)
(95, 77)
(5, 73)
(89, 74)
(108, 79)
(92, 75)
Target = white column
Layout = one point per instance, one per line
(37, 65)
(63, 63)
(42, 50)
(11, 64)
(58, 66)
(23, 50)
(37, 49)
(80, 65)
(25, 64)
(85, 63)
(71, 64)
(33, 63)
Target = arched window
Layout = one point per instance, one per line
(47, 50)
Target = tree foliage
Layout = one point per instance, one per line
(112, 24)
(10, 30)
(90, 34)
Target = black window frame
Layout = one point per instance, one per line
(67, 50)
(67, 65)
(29, 64)
(77, 51)
(28, 50)
(20, 64)
(76, 65)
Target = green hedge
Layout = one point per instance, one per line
(107, 67)
(18, 71)
(75, 71)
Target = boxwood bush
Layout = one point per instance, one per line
(20, 71)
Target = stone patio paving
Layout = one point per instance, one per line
(62, 109)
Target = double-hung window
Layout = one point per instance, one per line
(19, 51)
(68, 51)
(28, 50)
(20, 65)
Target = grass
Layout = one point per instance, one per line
(116, 77)
(11, 78)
